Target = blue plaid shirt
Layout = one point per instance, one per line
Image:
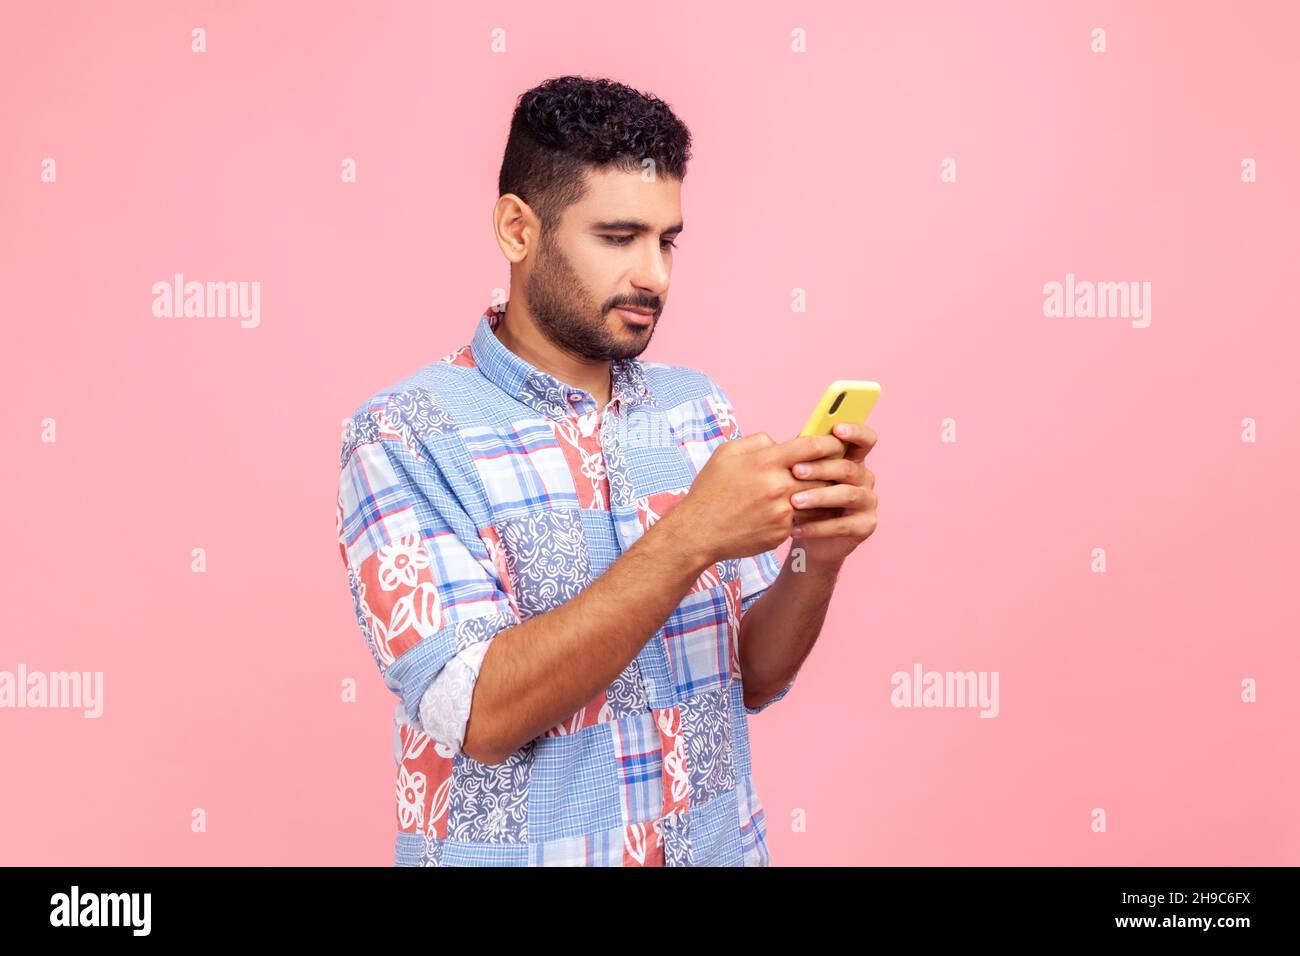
(481, 491)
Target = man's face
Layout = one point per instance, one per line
(613, 248)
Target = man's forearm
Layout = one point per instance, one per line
(781, 627)
(539, 672)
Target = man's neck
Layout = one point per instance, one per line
(520, 334)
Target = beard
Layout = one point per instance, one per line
(571, 318)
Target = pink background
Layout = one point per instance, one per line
(817, 171)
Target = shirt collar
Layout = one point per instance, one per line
(540, 390)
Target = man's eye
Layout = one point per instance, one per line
(624, 240)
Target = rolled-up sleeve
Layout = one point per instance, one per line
(444, 708)
(427, 584)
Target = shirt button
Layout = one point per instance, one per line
(649, 687)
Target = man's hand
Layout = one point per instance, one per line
(739, 503)
(834, 518)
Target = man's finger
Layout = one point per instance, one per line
(858, 439)
(805, 448)
(804, 515)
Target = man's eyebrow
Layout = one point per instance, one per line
(636, 225)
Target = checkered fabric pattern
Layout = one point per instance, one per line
(481, 491)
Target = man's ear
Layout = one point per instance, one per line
(516, 227)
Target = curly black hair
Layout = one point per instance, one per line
(569, 124)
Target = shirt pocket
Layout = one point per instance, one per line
(546, 559)
(674, 829)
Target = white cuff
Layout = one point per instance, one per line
(444, 706)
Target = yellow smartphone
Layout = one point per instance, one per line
(844, 400)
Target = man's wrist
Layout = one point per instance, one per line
(824, 571)
(677, 535)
